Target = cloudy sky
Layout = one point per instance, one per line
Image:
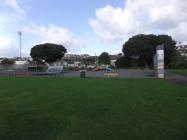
(87, 26)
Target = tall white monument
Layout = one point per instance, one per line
(159, 61)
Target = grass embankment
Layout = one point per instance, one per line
(92, 109)
(182, 72)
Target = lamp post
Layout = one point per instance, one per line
(20, 35)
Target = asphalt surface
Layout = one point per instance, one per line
(133, 73)
(177, 79)
(125, 73)
(128, 73)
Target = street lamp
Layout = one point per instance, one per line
(20, 34)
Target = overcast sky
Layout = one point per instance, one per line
(87, 26)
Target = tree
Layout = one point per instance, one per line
(169, 48)
(180, 59)
(7, 61)
(180, 62)
(104, 58)
(143, 47)
(182, 49)
(123, 62)
(48, 52)
(88, 60)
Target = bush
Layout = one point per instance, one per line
(179, 62)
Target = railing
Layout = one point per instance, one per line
(20, 70)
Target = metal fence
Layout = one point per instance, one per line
(21, 70)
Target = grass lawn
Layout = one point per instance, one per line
(182, 72)
(92, 109)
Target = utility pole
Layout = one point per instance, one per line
(96, 59)
(20, 35)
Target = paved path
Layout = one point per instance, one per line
(178, 79)
(128, 73)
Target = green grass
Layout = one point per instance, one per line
(92, 109)
(182, 72)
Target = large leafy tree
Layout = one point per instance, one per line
(48, 52)
(88, 60)
(143, 47)
(169, 48)
(123, 62)
(104, 58)
(7, 61)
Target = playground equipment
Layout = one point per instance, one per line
(109, 69)
(55, 69)
(51, 70)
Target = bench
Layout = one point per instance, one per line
(111, 74)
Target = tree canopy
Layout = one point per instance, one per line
(48, 52)
(7, 61)
(143, 47)
(88, 60)
(104, 58)
(123, 62)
